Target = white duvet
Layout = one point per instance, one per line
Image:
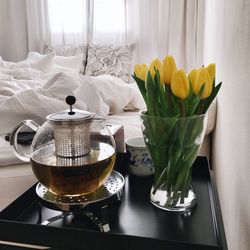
(29, 90)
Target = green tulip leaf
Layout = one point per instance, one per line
(194, 102)
(151, 95)
(141, 85)
(210, 99)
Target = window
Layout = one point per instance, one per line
(78, 21)
(68, 16)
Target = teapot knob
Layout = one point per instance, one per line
(70, 100)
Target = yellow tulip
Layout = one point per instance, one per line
(211, 70)
(169, 67)
(156, 64)
(203, 77)
(192, 76)
(180, 84)
(141, 71)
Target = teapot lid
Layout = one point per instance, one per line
(71, 115)
(79, 116)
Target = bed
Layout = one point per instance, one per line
(37, 86)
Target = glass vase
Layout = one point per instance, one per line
(173, 144)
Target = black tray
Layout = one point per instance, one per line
(135, 224)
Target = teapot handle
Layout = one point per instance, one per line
(101, 120)
(13, 138)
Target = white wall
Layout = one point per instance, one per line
(227, 43)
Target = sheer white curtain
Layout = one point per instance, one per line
(13, 30)
(68, 21)
(109, 22)
(159, 27)
(228, 44)
(162, 27)
(87, 21)
(24, 27)
(38, 27)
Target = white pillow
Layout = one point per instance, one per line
(33, 55)
(69, 50)
(21, 64)
(112, 60)
(41, 62)
(73, 62)
(57, 69)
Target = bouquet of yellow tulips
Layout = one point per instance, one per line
(173, 125)
(168, 91)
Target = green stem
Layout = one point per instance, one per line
(201, 107)
(168, 96)
(160, 180)
(183, 110)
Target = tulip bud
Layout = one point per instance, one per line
(211, 71)
(140, 71)
(156, 64)
(203, 77)
(180, 84)
(169, 67)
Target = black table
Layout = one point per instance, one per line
(135, 224)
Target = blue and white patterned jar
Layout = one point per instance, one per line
(140, 162)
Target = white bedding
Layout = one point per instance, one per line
(36, 87)
(27, 92)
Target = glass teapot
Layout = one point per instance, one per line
(72, 153)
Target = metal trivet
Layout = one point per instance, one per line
(102, 226)
(112, 188)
